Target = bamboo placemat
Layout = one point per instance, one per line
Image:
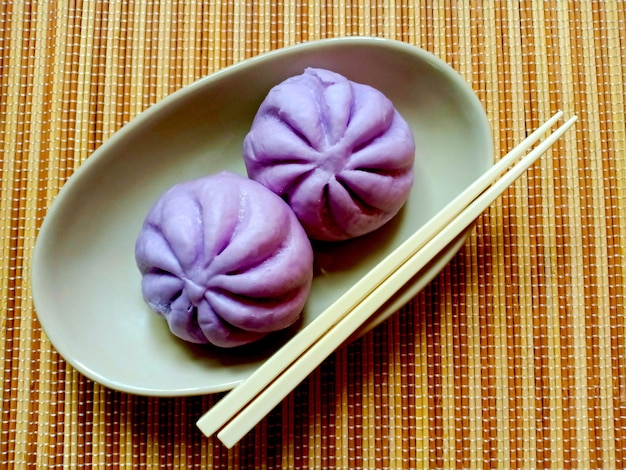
(515, 355)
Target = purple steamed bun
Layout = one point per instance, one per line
(337, 151)
(224, 260)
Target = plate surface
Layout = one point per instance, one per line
(86, 286)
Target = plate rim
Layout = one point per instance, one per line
(162, 106)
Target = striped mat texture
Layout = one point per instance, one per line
(513, 357)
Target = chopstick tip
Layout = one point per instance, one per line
(204, 426)
(229, 442)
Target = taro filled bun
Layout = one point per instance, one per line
(337, 151)
(224, 260)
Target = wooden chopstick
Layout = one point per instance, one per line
(333, 338)
(223, 411)
(261, 389)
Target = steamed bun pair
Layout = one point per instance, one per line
(227, 259)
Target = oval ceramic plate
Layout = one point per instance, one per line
(86, 286)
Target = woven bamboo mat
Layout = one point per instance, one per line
(514, 356)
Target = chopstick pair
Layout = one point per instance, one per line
(239, 411)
